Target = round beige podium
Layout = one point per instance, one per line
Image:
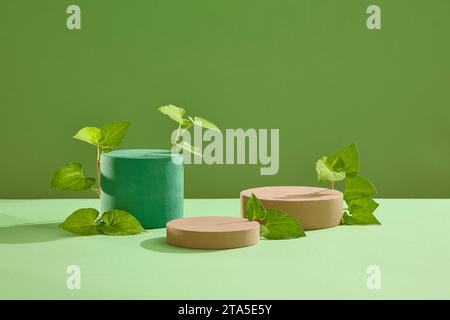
(315, 208)
(212, 232)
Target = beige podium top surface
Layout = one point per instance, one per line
(213, 224)
(292, 193)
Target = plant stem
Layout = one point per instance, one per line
(344, 212)
(331, 184)
(174, 143)
(99, 176)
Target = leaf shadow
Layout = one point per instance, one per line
(32, 233)
(160, 245)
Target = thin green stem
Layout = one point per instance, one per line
(184, 129)
(344, 212)
(331, 184)
(99, 175)
(174, 143)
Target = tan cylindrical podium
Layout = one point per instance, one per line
(212, 232)
(315, 208)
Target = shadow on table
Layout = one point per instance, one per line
(160, 245)
(31, 233)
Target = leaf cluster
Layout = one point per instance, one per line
(345, 164)
(71, 177)
(115, 222)
(178, 115)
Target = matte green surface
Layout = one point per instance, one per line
(148, 183)
(310, 68)
(411, 248)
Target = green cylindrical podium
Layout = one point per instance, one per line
(147, 183)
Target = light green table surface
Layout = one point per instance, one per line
(412, 249)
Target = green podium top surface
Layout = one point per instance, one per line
(140, 153)
(410, 251)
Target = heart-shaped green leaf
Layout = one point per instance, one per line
(361, 212)
(346, 160)
(90, 135)
(358, 187)
(113, 134)
(71, 177)
(326, 173)
(281, 225)
(119, 223)
(254, 209)
(173, 112)
(82, 222)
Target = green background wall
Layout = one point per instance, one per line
(310, 68)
